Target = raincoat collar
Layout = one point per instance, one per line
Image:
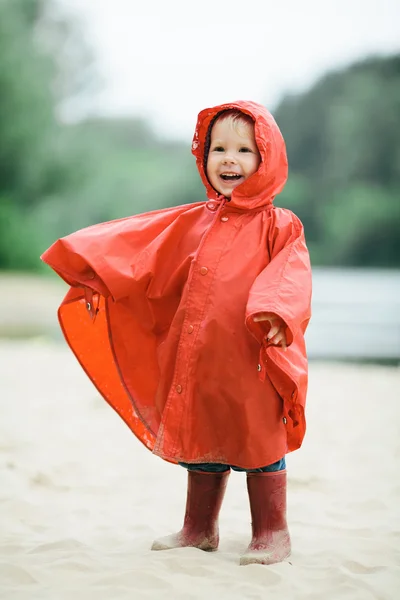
(269, 180)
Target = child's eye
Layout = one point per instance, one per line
(245, 149)
(218, 149)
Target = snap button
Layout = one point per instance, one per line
(88, 306)
(179, 389)
(258, 367)
(284, 420)
(211, 206)
(190, 329)
(203, 271)
(91, 275)
(224, 219)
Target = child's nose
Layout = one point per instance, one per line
(228, 159)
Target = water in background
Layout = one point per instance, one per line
(356, 312)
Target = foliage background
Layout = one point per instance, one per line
(342, 135)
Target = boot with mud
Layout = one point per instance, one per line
(200, 528)
(271, 540)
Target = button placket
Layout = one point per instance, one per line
(199, 288)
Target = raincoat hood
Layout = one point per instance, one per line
(261, 188)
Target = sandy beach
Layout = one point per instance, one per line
(81, 500)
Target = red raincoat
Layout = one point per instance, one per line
(160, 315)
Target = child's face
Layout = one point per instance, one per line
(233, 155)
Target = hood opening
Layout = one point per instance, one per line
(262, 187)
(207, 141)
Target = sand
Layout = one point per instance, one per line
(81, 499)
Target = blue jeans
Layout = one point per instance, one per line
(280, 465)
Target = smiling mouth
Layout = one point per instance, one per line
(230, 176)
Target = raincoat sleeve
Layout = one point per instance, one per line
(284, 285)
(108, 258)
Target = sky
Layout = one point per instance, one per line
(168, 59)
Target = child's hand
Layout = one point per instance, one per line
(276, 335)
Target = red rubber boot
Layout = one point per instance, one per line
(200, 528)
(271, 540)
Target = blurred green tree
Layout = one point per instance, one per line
(343, 141)
(37, 165)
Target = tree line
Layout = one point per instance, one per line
(342, 136)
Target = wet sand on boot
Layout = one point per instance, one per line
(82, 500)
